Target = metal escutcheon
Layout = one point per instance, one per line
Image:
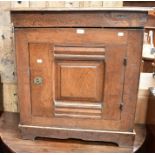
(38, 80)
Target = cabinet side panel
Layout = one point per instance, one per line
(134, 55)
(114, 80)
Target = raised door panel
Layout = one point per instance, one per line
(85, 83)
(79, 81)
(79, 77)
(79, 88)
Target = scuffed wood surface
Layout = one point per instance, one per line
(11, 137)
(7, 52)
(7, 60)
(72, 18)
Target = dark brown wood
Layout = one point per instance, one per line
(139, 3)
(134, 55)
(151, 107)
(150, 22)
(100, 18)
(150, 121)
(78, 82)
(147, 66)
(11, 137)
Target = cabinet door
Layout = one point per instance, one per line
(75, 80)
(85, 81)
(79, 81)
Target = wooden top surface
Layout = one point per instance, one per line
(80, 18)
(11, 137)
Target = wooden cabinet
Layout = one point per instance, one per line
(78, 73)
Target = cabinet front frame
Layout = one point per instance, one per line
(126, 122)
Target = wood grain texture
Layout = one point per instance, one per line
(70, 34)
(85, 81)
(7, 66)
(24, 73)
(74, 75)
(77, 19)
(41, 95)
(11, 106)
(11, 137)
(150, 22)
(139, 3)
(146, 81)
(134, 54)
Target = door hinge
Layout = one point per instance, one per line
(121, 106)
(125, 61)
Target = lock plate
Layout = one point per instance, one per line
(38, 80)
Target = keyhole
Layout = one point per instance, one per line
(38, 80)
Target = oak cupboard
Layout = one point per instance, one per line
(78, 73)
